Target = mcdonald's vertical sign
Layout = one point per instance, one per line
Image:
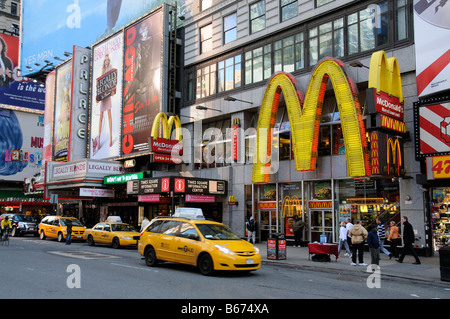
(387, 156)
(235, 138)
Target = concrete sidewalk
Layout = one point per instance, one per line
(298, 257)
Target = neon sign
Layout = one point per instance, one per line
(304, 115)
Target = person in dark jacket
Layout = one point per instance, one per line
(408, 240)
(69, 232)
(374, 246)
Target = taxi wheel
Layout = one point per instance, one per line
(116, 243)
(90, 241)
(60, 237)
(150, 257)
(205, 265)
(42, 235)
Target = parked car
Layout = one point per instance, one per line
(115, 234)
(195, 241)
(21, 224)
(55, 227)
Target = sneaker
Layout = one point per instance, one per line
(346, 254)
(353, 264)
(363, 264)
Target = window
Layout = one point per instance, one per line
(14, 8)
(258, 64)
(170, 227)
(206, 38)
(229, 73)
(205, 4)
(188, 231)
(230, 28)
(326, 40)
(320, 3)
(288, 54)
(289, 9)
(206, 81)
(368, 28)
(154, 226)
(402, 20)
(257, 17)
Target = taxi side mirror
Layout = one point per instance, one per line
(194, 236)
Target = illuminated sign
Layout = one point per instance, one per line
(118, 179)
(438, 167)
(305, 116)
(323, 204)
(164, 144)
(291, 206)
(386, 154)
(235, 138)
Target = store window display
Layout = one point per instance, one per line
(440, 217)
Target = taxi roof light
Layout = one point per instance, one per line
(189, 212)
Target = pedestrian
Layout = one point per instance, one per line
(251, 230)
(343, 232)
(349, 225)
(381, 232)
(359, 236)
(144, 224)
(297, 227)
(394, 238)
(373, 241)
(408, 241)
(69, 232)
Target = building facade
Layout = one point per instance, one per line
(233, 49)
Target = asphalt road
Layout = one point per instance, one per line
(37, 269)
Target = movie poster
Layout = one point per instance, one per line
(63, 94)
(106, 98)
(142, 82)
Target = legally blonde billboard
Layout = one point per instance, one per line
(106, 97)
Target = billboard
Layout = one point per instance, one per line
(48, 116)
(432, 122)
(106, 98)
(61, 124)
(16, 90)
(50, 28)
(21, 144)
(431, 27)
(143, 91)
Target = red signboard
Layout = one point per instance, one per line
(235, 139)
(200, 198)
(327, 204)
(386, 104)
(161, 145)
(179, 185)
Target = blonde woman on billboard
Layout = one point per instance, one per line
(105, 105)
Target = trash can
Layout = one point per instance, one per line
(444, 262)
(276, 246)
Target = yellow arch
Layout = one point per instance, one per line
(168, 125)
(305, 121)
(384, 75)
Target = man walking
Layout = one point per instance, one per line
(297, 227)
(381, 232)
(408, 240)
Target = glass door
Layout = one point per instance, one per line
(269, 223)
(321, 222)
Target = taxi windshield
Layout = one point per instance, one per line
(217, 232)
(122, 227)
(75, 222)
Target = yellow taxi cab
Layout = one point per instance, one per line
(188, 238)
(55, 227)
(115, 234)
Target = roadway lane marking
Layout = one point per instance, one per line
(133, 267)
(82, 255)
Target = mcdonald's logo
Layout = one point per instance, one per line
(394, 146)
(385, 93)
(291, 206)
(231, 200)
(235, 138)
(304, 116)
(164, 144)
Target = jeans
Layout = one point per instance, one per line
(69, 239)
(343, 242)
(382, 249)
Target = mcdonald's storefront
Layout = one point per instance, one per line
(350, 169)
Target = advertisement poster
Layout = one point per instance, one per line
(64, 23)
(106, 98)
(48, 116)
(142, 82)
(432, 26)
(16, 90)
(21, 143)
(434, 134)
(61, 127)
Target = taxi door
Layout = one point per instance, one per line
(53, 228)
(106, 235)
(97, 232)
(187, 244)
(164, 243)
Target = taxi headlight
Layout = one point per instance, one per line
(225, 250)
(256, 249)
(127, 237)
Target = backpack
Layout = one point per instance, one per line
(251, 225)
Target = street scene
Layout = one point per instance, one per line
(209, 152)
